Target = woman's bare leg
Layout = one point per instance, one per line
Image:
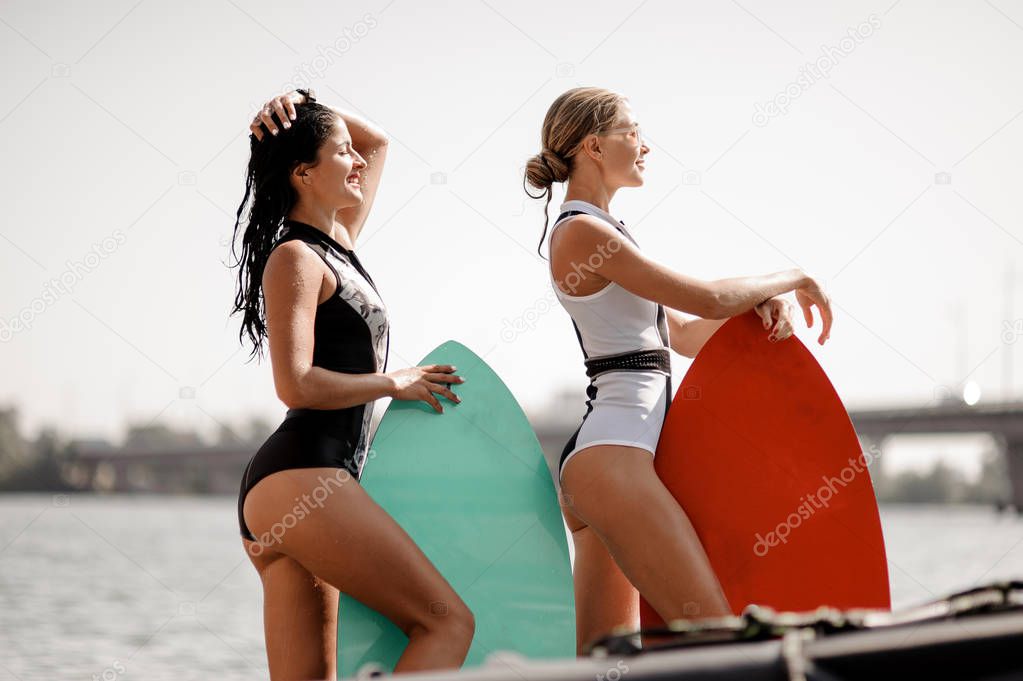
(325, 521)
(299, 618)
(616, 492)
(604, 597)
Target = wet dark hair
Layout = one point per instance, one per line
(269, 197)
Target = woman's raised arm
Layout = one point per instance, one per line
(367, 139)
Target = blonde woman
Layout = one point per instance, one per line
(628, 531)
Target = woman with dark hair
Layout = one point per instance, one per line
(628, 531)
(307, 525)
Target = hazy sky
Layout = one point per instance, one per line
(124, 146)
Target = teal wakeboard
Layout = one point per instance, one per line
(472, 489)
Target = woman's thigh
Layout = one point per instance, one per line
(616, 492)
(326, 521)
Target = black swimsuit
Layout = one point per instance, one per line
(351, 335)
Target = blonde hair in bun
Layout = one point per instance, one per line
(574, 114)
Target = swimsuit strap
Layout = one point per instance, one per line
(620, 226)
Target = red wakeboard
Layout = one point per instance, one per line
(760, 453)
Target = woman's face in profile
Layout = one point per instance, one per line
(336, 175)
(624, 149)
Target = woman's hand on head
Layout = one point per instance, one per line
(283, 106)
(420, 383)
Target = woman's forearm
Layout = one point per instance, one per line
(688, 335)
(740, 294)
(698, 331)
(320, 388)
(365, 135)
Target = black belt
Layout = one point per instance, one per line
(657, 359)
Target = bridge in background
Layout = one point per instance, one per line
(1003, 420)
(187, 469)
(180, 469)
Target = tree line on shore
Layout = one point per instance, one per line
(36, 464)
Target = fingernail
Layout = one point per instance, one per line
(274, 131)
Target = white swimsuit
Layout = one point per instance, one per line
(624, 339)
